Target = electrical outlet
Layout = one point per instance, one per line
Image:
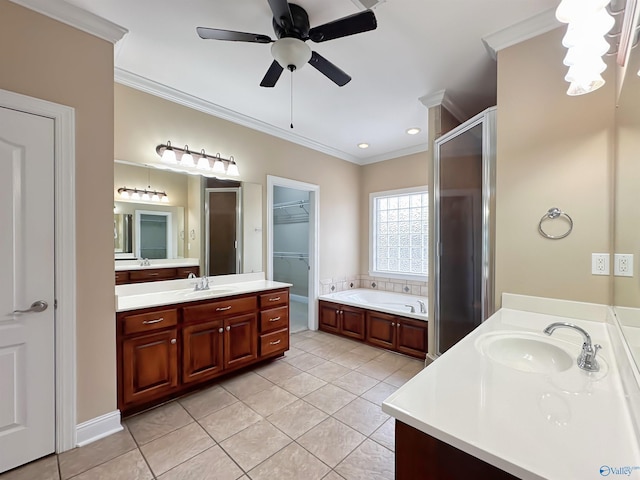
(623, 265)
(600, 263)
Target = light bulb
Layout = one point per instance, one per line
(124, 193)
(169, 156)
(203, 162)
(155, 197)
(572, 10)
(187, 159)
(588, 86)
(145, 196)
(588, 29)
(218, 166)
(165, 199)
(135, 195)
(232, 169)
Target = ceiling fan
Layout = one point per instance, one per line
(291, 26)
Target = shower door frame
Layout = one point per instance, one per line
(487, 119)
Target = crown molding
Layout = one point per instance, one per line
(151, 87)
(395, 154)
(441, 98)
(76, 17)
(531, 27)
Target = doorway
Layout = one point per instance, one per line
(222, 224)
(292, 209)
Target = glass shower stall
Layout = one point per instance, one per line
(464, 206)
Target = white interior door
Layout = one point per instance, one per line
(27, 371)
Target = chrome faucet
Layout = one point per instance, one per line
(587, 358)
(423, 308)
(412, 309)
(201, 284)
(144, 262)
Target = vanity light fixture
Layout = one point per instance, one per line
(184, 158)
(588, 22)
(413, 131)
(142, 194)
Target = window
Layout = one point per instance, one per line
(399, 233)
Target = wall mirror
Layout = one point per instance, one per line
(626, 289)
(181, 226)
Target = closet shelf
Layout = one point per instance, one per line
(291, 212)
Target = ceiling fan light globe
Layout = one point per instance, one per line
(291, 52)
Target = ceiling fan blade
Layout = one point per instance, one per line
(356, 23)
(281, 13)
(230, 35)
(272, 75)
(329, 70)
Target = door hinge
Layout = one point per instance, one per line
(55, 303)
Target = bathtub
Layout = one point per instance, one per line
(380, 301)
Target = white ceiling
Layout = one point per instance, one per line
(419, 48)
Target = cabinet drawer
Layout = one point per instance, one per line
(122, 277)
(274, 299)
(274, 342)
(207, 311)
(274, 319)
(152, 274)
(144, 322)
(183, 272)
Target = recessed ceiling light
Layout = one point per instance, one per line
(413, 131)
(363, 145)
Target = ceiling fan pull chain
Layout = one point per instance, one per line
(291, 101)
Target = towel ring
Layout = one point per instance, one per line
(552, 214)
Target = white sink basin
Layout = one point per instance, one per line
(206, 293)
(526, 352)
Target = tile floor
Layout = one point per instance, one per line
(314, 414)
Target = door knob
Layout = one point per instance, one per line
(36, 307)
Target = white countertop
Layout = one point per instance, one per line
(164, 263)
(153, 294)
(561, 426)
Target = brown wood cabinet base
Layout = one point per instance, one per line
(392, 332)
(421, 456)
(165, 352)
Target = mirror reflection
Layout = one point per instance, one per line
(216, 222)
(627, 214)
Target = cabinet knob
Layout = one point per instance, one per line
(393, 324)
(221, 330)
(173, 341)
(228, 327)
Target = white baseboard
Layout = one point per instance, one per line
(97, 428)
(298, 298)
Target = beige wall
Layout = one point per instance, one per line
(553, 150)
(144, 121)
(402, 172)
(63, 65)
(627, 217)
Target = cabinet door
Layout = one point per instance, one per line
(412, 337)
(381, 330)
(240, 340)
(329, 317)
(202, 355)
(149, 366)
(352, 322)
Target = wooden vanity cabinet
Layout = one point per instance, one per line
(342, 319)
(148, 355)
(419, 455)
(154, 274)
(165, 351)
(399, 334)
